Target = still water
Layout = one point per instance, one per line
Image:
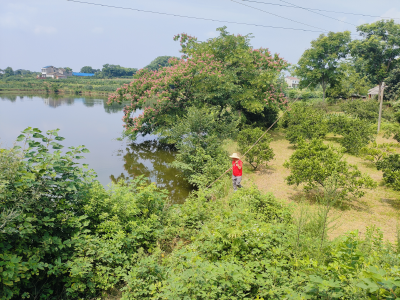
(91, 122)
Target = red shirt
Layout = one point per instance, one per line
(236, 170)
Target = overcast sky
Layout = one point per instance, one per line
(37, 33)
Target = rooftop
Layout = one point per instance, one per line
(292, 78)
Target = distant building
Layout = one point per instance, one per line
(375, 91)
(292, 82)
(55, 73)
(82, 74)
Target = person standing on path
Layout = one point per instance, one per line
(237, 166)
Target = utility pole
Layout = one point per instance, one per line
(381, 88)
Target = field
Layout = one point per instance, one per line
(379, 207)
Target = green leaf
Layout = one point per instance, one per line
(21, 137)
(56, 145)
(79, 157)
(38, 135)
(59, 138)
(84, 150)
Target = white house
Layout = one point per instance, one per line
(375, 91)
(292, 82)
(55, 73)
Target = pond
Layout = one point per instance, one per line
(91, 122)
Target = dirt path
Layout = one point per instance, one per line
(379, 207)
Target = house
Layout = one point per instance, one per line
(292, 82)
(55, 73)
(375, 91)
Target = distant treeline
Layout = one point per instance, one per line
(108, 71)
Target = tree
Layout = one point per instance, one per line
(320, 64)
(349, 83)
(377, 52)
(224, 71)
(110, 71)
(198, 136)
(159, 62)
(304, 122)
(314, 162)
(67, 69)
(390, 166)
(356, 133)
(8, 71)
(392, 82)
(88, 69)
(261, 153)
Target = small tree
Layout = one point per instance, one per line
(261, 153)
(356, 133)
(313, 163)
(320, 64)
(304, 122)
(390, 166)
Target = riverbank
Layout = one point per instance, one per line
(69, 86)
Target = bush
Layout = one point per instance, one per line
(356, 133)
(390, 166)
(198, 136)
(261, 153)
(314, 162)
(363, 109)
(304, 122)
(62, 234)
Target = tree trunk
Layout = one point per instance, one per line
(323, 89)
(381, 88)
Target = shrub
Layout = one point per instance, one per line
(304, 122)
(390, 166)
(356, 133)
(364, 110)
(261, 153)
(61, 233)
(314, 162)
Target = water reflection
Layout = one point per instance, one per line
(55, 101)
(151, 159)
(91, 122)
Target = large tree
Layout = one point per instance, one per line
(320, 64)
(224, 71)
(159, 62)
(89, 69)
(377, 53)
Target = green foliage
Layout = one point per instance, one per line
(159, 62)
(198, 137)
(377, 52)
(376, 152)
(320, 63)
(349, 83)
(304, 122)
(390, 165)
(62, 234)
(392, 82)
(314, 162)
(111, 71)
(88, 69)
(355, 133)
(365, 110)
(261, 153)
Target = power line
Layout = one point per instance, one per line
(317, 13)
(196, 18)
(278, 15)
(332, 11)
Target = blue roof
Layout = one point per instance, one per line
(82, 74)
(47, 67)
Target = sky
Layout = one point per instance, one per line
(38, 33)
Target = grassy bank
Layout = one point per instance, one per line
(72, 85)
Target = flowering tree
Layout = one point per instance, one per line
(223, 71)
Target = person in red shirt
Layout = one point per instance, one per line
(237, 166)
